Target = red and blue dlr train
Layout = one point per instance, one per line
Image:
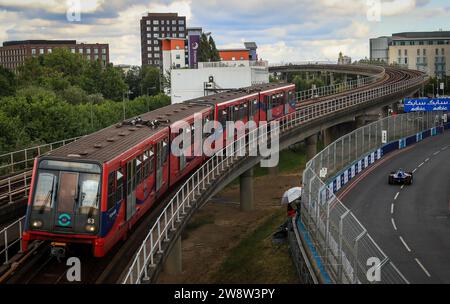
(94, 190)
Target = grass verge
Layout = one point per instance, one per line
(257, 260)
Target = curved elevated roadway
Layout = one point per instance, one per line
(411, 223)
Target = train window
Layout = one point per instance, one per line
(89, 192)
(237, 112)
(192, 136)
(67, 194)
(119, 185)
(138, 169)
(223, 117)
(165, 150)
(111, 190)
(231, 116)
(206, 119)
(145, 165)
(275, 100)
(245, 111)
(45, 191)
(253, 107)
(151, 161)
(283, 98)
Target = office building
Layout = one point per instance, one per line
(157, 26)
(14, 53)
(424, 51)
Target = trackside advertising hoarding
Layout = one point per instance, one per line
(427, 104)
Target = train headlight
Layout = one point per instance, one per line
(36, 224)
(90, 228)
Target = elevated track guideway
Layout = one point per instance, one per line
(171, 215)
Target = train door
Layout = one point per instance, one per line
(66, 198)
(161, 158)
(131, 188)
(286, 102)
(269, 108)
(183, 149)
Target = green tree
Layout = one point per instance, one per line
(7, 82)
(112, 85)
(150, 80)
(133, 80)
(91, 80)
(63, 62)
(214, 53)
(203, 49)
(207, 50)
(74, 95)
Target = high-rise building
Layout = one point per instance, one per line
(252, 47)
(14, 53)
(379, 49)
(156, 26)
(424, 51)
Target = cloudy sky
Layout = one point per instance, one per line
(285, 30)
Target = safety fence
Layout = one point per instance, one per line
(184, 201)
(344, 247)
(15, 187)
(23, 159)
(10, 237)
(337, 88)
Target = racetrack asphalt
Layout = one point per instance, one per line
(411, 224)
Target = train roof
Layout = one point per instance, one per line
(108, 143)
(237, 93)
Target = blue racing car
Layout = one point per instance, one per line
(400, 177)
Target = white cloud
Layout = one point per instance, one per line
(54, 6)
(285, 30)
(182, 7)
(397, 7)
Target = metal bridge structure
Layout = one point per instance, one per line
(317, 111)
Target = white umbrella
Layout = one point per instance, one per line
(291, 195)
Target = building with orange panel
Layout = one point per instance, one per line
(234, 55)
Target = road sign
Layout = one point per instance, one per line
(427, 104)
(323, 172)
(384, 136)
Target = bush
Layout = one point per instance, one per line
(39, 115)
(74, 95)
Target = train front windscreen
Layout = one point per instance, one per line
(66, 198)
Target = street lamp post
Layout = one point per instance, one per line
(123, 102)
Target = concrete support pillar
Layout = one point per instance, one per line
(327, 136)
(246, 191)
(345, 78)
(173, 265)
(331, 78)
(311, 146)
